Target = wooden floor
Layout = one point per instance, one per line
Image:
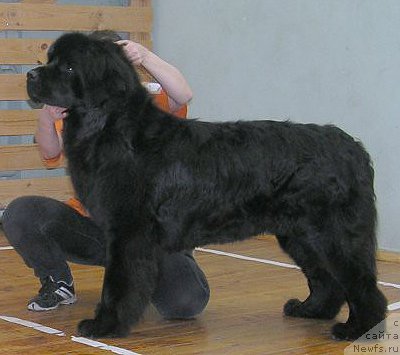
(244, 315)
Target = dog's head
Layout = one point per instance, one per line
(82, 70)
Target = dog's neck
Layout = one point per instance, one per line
(91, 117)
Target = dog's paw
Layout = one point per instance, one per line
(350, 331)
(88, 328)
(293, 308)
(345, 331)
(94, 328)
(296, 308)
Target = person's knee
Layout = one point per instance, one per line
(185, 305)
(15, 211)
(183, 290)
(17, 217)
(192, 304)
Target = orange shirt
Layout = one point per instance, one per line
(160, 99)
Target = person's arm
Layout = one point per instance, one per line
(169, 77)
(47, 137)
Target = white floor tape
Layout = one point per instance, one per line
(247, 258)
(52, 331)
(36, 326)
(391, 307)
(102, 346)
(6, 248)
(388, 284)
(394, 306)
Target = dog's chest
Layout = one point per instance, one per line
(81, 163)
(82, 178)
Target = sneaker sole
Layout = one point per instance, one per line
(36, 308)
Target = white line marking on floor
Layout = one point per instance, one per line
(388, 284)
(52, 331)
(391, 307)
(36, 326)
(247, 258)
(6, 248)
(102, 346)
(394, 306)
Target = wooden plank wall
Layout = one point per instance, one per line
(47, 15)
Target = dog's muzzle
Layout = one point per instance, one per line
(32, 75)
(32, 83)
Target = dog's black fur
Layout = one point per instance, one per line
(153, 181)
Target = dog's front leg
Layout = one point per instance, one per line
(129, 281)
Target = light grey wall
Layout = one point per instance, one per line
(323, 61)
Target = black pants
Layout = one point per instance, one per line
(48, 233)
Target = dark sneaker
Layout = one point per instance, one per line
(52, 294)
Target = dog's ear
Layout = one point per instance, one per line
(125, 77)
(122, 74)
(107, 72)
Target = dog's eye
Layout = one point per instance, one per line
(69, 70)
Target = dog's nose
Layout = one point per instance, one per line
(32, 74)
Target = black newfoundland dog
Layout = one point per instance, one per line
(153, 181)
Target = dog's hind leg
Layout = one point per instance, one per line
(367, 305)
(355, 270)
(326, 295)
(129, 281)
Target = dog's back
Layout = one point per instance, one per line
(244, 178)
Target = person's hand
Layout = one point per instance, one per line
(53, 113)
(135, 52)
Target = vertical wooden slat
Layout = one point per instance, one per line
(141, 3)
(143, 38)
